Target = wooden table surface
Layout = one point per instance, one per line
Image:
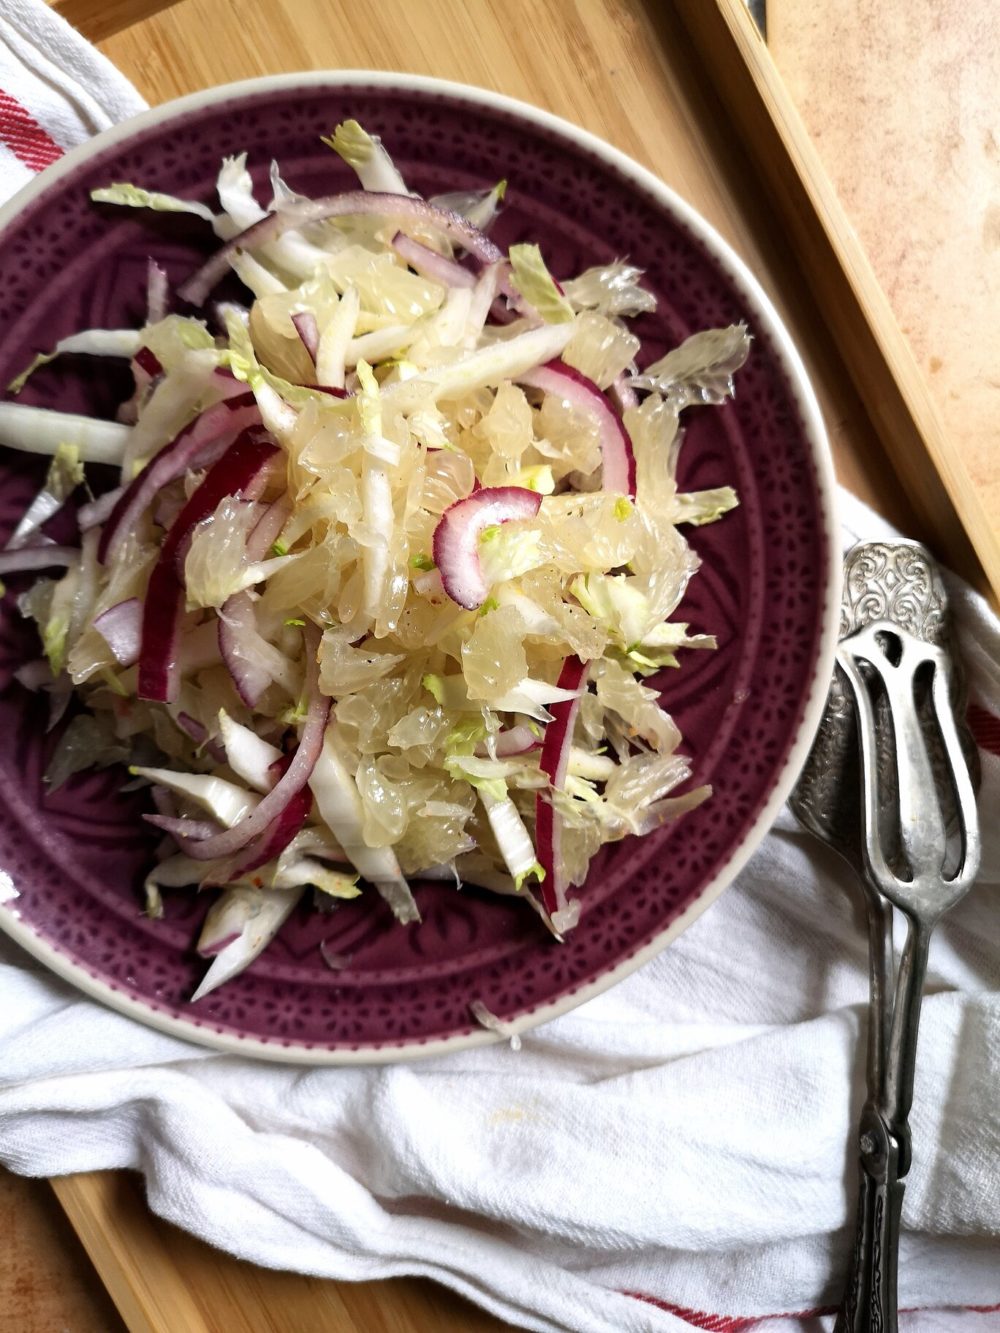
(898, 99)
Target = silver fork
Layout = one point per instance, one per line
(915, 842)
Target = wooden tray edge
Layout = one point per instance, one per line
(874, 349)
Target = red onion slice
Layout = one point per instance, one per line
(213, 425)
(430, 264)
(196, 829)
(96, 511)
(396, 207)
(145, 367)
(121, 628)
(268, 844)
(554, 762)
(617, 457)
(159, 659)
(308, 331)
(236, 622)
(623, 394)
(456, 537)
(148, 362)
(199, 734)
(192, 727)
(268, 528)
(330, 389)
(258, 822)
(226, 385)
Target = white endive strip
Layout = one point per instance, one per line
(339, 804)
(38, 430)
(250, 757)
(513, 839)
(335, 339)
(223, 800)
(248, 919)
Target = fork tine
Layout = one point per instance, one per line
(871, 785)
(922, 824)
(960, 775)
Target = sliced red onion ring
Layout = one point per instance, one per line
(159, 659)
(145, 366)
(195, 829)
(456, 537)
(236, 623)
(121, 628)
(430, 264)
(331, 389)
(616, 448)
(164, 801)
(212, 426)
(554, 762)
(192, 727)
(226, 385)
(96, 511)
(215, 947)
(622, 392)
(308, 330)
(268, 844)
(397, 207)
(37, 557)
(199, 734)
(257, 824)
(510, 302)
(268, 528)
(148, 362)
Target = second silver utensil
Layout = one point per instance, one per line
(888, 783)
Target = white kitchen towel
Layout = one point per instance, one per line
(675, 1153)
(55, 91)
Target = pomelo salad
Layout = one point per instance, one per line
(396, 543)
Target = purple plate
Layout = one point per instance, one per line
(71, 863)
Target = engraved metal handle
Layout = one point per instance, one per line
(901, 687)
(891, 775)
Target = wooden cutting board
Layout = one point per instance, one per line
(688, 89)
(666, 81)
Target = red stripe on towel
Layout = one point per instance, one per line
(985, 728)
(721, 1323)
(23, 135)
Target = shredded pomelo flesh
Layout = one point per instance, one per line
(395, 544)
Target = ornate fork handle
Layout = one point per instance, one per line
(870, 1300)
(905, 792)
(889, 777)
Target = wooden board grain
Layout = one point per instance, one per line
(623, 69)
(46, 1281)
(952, 507)
(99, 19)
(165, 1281)
(913, 152)
(629, 72)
